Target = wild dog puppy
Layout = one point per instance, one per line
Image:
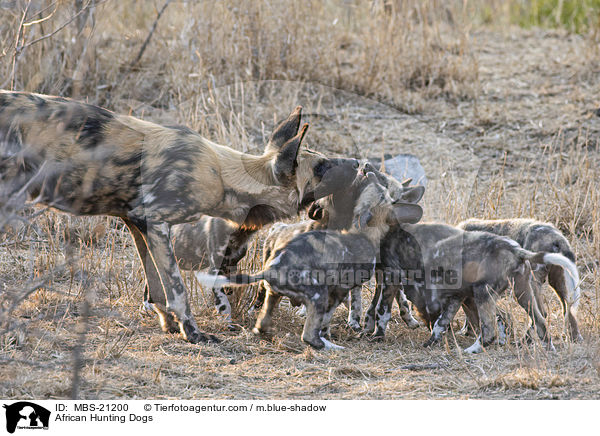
(214, 244)
(446, 267)
(334, 212)
(318, 268)
(86, 160)
(539, 236)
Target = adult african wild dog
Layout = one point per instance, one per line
(534, 235)
(86, 160)
(318, 268)
(335, 212)
(448, 267)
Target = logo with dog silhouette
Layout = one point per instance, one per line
(26, 415)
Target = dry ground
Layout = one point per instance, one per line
(524, 143)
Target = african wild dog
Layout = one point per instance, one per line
(318, 268)
(86, 160)
(538, 236)
(446, 267)
(334, 212)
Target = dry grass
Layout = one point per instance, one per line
(503, 123)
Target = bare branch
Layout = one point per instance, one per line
(17, 48)
(65, 24)
(145, 44)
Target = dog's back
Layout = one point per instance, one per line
(531, 234)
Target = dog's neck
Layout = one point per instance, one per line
(375, 230)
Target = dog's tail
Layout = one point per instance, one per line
(570, 272)
(218, 281)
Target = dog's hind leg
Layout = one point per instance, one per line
(154, 294)
(526, 298)
(443, 321)
(159, 245)
(405, 312)
(259, 297)
(315, 312)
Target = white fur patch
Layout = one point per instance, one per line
(149, 307)
(211, 280)
(475, 348)
(276, 260)
(148, 198)
(331, 345)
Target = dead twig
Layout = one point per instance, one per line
(147, 41)
(62, 26)
(17, 48)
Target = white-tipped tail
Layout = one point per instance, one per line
(211, 280)
(571, 276)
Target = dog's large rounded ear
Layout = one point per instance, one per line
(285, 162)
(405, 213)
(286, 130)
(413, 194)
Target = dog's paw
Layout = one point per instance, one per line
(354, 326)
(413, 324)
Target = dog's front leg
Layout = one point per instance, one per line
(221, 301)
(384, 309)
(315, 311)
(355, 308)
(526, 298)
(161, 250)
(265, 318)
(372, 310)
(471, 318)
(483, 298)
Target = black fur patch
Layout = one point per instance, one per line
(133, 159)
(259, 216)
(89, 121)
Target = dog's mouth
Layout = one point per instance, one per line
(307, 198)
